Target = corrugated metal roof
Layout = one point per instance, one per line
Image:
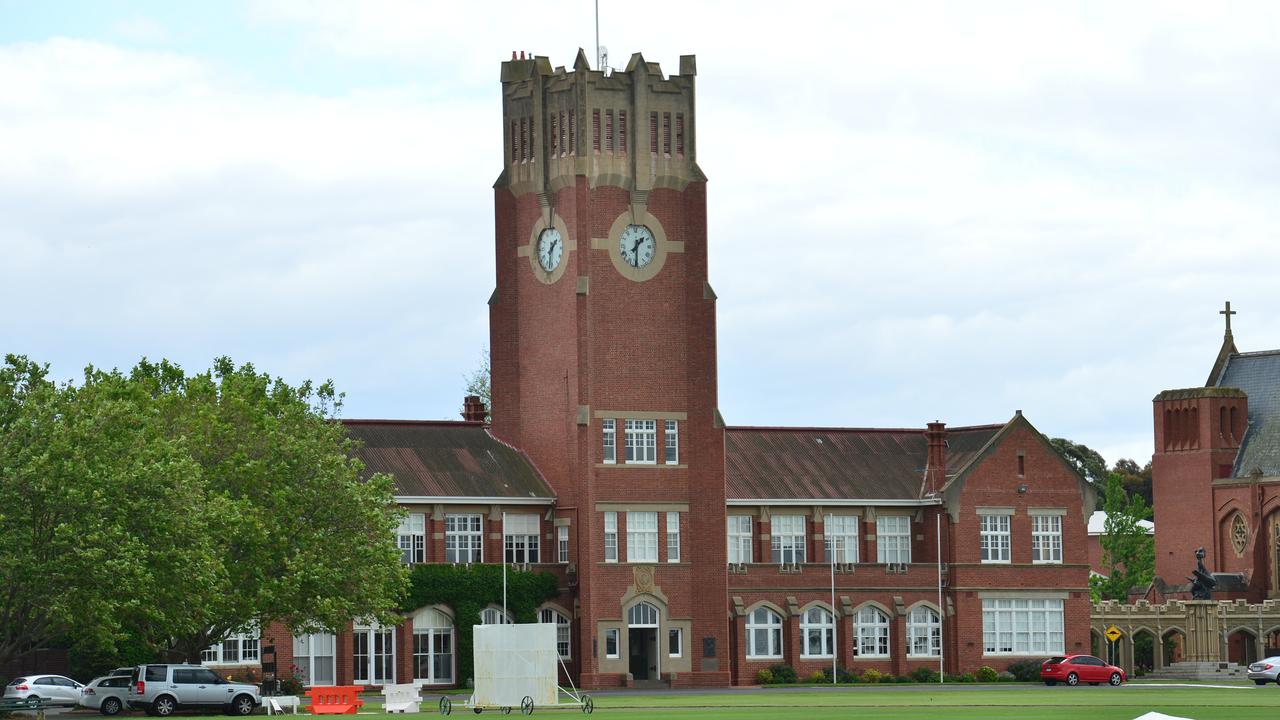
(838, 463)
(1258, 375)
(446, 459)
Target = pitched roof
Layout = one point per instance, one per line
(440, 459)
(1258, 375)
(838, 463)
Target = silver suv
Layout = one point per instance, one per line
(163, 689)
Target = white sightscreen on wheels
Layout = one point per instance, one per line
(515, 661)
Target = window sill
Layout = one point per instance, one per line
(923, 657)
(870, 657)
(995, 562)
(1046, 562)
(764, 657)
(817, 657)
(634, 465)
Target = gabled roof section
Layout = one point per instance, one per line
(1257, 374)
(770, 463)
(444, 459)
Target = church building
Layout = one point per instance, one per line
(690, 552)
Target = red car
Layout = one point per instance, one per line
(1075, 669)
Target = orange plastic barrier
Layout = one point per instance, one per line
(335, 700)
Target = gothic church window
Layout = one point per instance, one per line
(1239, 534)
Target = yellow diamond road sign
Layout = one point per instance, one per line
(1113, 633)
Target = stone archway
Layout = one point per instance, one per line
(1242, 646)
(1146, 657)
(1173, 646)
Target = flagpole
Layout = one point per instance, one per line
(834, 640)
(504, 567)
(937, 524)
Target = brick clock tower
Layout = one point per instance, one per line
(603, 344)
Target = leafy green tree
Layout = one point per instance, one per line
(1084, 459)
(1136, 480)
(1128, 552)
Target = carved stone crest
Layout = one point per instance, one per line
(643, 575)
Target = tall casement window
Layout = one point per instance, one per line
(671, 442)
(871, 629)
(236, 648)
(994, 531)
(463, 540)
(1022, 627)
(642, 537)
(787, 541)
(924, 632)
(1046, 538)
(611, 537)
(817, 633)
(562, 544)
(739, 528)
(764, 634)
(556, 142)
(673, 537)
(373, 654)
(520, 538)
(314, 656)
(641, 441)
(610, 442)
(893, 539)
(432, 647)
(493, 615)
(611, 643)
(411, 536)
(675, 642)
(841, 538)
(563, 646)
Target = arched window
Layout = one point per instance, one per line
(642, 615)
(924, 632)
(764, 634)
(817, 633)
(551, 615)
(872, 630)
(433, 647)
(494, 616)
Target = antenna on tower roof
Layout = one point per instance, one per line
(599, 65)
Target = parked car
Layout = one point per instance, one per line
(1075, 669)
(163, 689)
(55, 689)
(1265, 670)
(108, 694)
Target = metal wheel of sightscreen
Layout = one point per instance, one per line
(526, 705)
(446, 705)
(588, 705)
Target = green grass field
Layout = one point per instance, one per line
(1091, 703)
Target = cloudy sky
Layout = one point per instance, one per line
(983, 207)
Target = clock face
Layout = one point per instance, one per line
(636, 246)
(550, 249)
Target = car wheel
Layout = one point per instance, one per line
(1050, 683)
(164, 706)
(243, 705)
(1115, 679)
(1073, 679)
(110, 706)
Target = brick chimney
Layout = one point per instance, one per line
(473, 409)
(936, 469)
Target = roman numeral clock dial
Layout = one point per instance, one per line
(637, 246)
(550, 249)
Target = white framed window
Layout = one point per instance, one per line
(673, 537)
(1022, 626)
(611, 643)
(871, 631)
(432, 647)
(493, 615)
(641, 437)
(314, 656)
(843, 531)
(924, 632)
(643, 615)
(994, 538)
(373, 654)
(671, 442)
(610, 441)
(787, 541)
(893, 539)
(235, 649)
(1046, 538)
(563, 646)
(520, 537)
(817, 633)
(675, 642)
(463, 538)
(642, 537)
(611, 536)
(739, 529)
(562, 543)
(411, 536)
(764, 634)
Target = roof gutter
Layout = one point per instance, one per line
(470, 500)
(835, 502)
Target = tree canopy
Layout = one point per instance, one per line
(1128, 552)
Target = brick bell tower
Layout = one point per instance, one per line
(602, 332)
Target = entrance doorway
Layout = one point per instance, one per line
(642, 642)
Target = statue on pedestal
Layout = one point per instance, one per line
(1203, 583)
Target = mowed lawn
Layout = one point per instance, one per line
(1033, 702)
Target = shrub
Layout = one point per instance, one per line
(871, 675)
(817, 676)
(1006, 676)
(904, 679)
(783, 673)
(924, 675)
(986, 674)
(965, 678)
(764, 677)
(1025, 670)
(844, 676)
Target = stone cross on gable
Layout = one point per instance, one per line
(1228, 312)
